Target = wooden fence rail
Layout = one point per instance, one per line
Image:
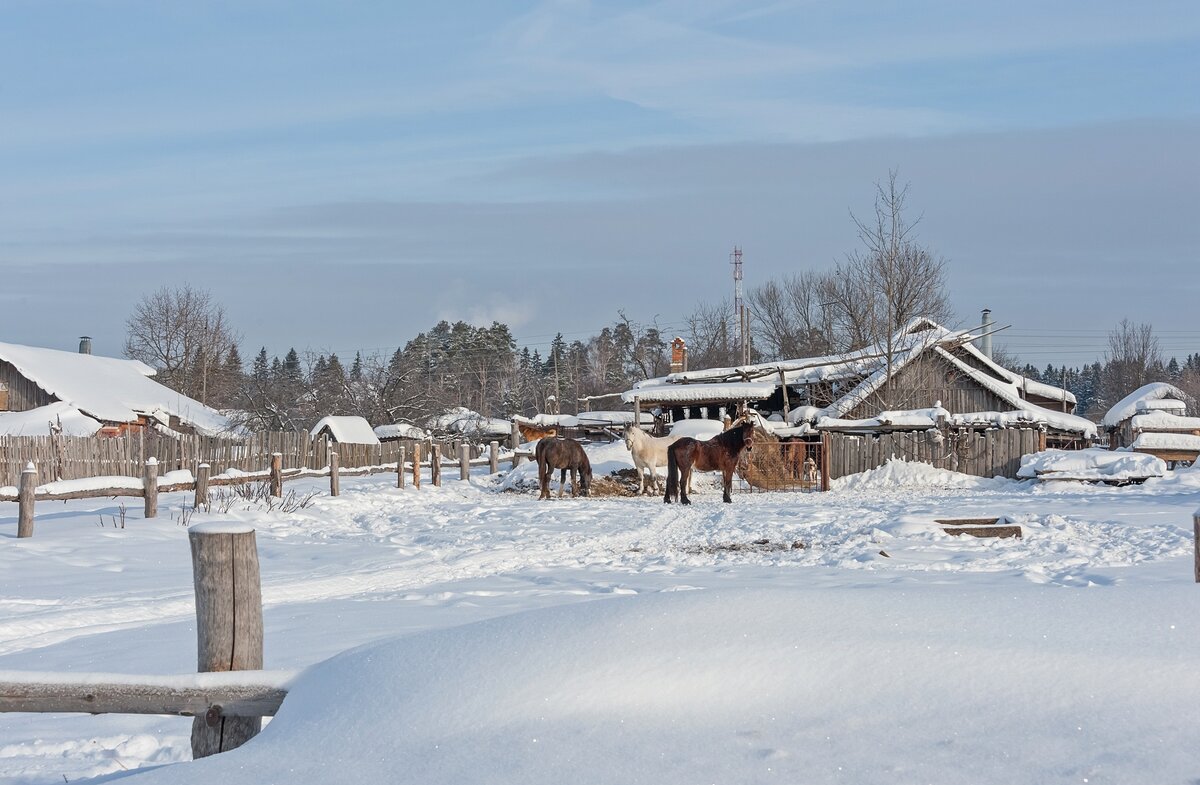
(78, 457)
(228, 707)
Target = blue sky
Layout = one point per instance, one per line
(385, 165)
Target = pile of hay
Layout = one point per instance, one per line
(775, 465)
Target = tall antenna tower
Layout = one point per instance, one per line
(739, 307)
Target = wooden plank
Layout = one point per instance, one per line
(1000, 532)
(120, 694)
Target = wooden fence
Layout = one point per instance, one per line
(78, 457)
(988, 453)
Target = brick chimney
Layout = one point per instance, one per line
(678, 356)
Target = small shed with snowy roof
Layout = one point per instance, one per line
(1153, 419)
(115, 394)
(346, 430)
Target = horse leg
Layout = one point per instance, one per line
(562, 482)
(685, 479)
(544, 472)
(574, 482)
(727, 476)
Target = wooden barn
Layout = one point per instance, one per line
(927, 379)
(90, 394)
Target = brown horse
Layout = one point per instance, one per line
(720, 453)
(531, 433)
(565, 455)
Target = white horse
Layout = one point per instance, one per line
(649, 452)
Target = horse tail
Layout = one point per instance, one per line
(672, 476)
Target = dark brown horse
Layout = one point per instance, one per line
(565, 455)
(720, 453)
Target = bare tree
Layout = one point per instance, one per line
(792, 316)
(710, 337)
(889, 282)
(182, 333)
(1133, 359)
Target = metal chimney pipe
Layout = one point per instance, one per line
(85, 344)
(986, 344)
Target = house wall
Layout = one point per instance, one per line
(23, 394)
(924, 382)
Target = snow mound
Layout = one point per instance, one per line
(796, 685)
(697, 429)
(901, 473)
(1094, 463)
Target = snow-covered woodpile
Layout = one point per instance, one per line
(1153, 419)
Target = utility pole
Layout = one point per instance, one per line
(740, 313)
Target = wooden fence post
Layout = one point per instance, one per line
(435, 465)
(25, 500)
(416, 464)
(400, 467)
(464, 461)
(202, 472)
(150, 486)
(335, 485)
(229, 629)
(494, 457)
(1195, 526)
(277, 475)
(515, 438)
(826, 446)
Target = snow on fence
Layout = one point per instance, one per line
(228, 697)
(78, 457)
(989, 453)
(150, 484)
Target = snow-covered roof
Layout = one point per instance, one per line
(866, 368)
(36, 422)
(465, 421)
(399, 430)
(347, 429)
(689, 393)
(1128, 406)
(583, 419)
(110, 389)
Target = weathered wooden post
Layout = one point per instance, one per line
(400, 467)
(416, 464)
(202, 472)
(464, 461)
(493, 457)
(515, 438)
(25, 500)
(150, 488)
(229, 627)
(335, 485)
(277, 475)
(435, 465)
(1195, 526)
(826, 446)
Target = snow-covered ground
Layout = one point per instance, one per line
(835, 637)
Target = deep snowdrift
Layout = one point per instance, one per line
(926, 684)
